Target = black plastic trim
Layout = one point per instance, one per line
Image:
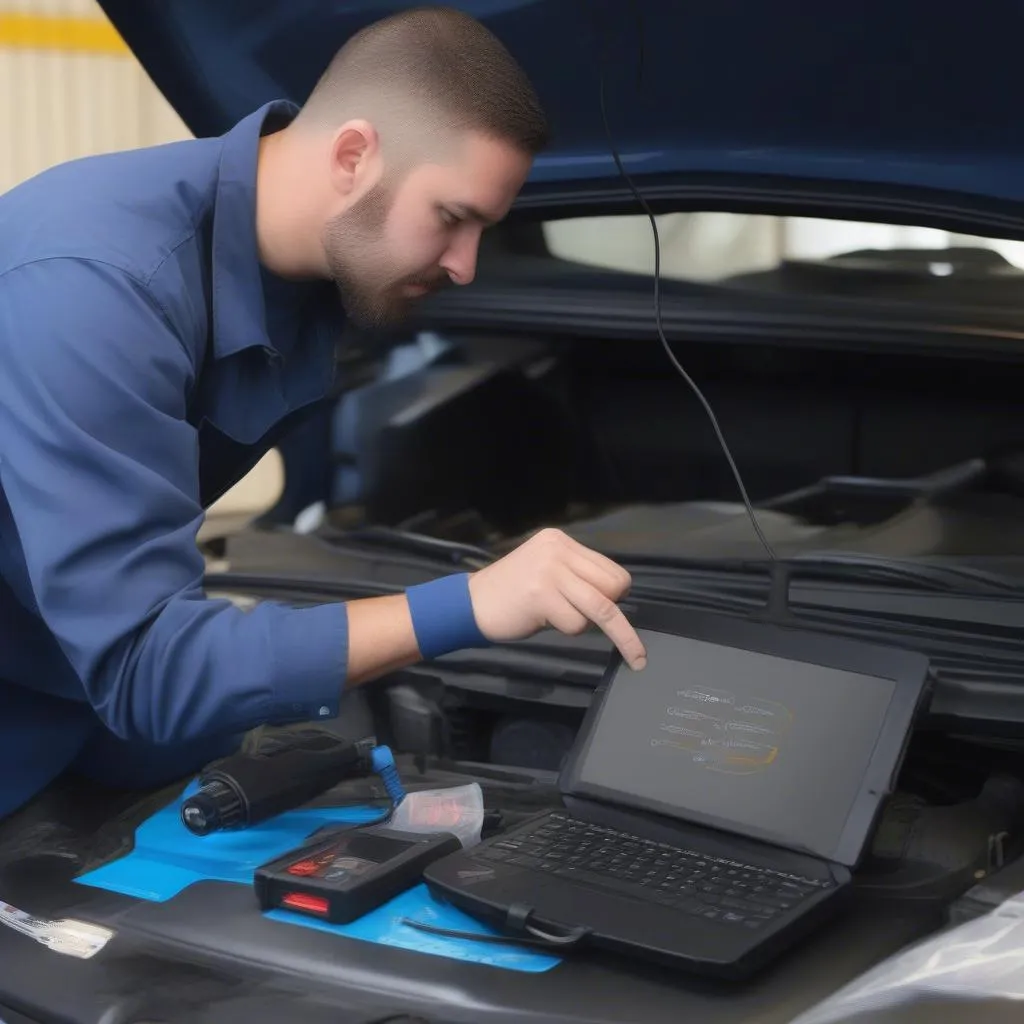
(613, 315)
(959, 212)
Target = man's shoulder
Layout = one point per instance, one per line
(132, 210)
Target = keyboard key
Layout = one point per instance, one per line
(731, 904)
(526, 862)
(772, 901)
(690, 907)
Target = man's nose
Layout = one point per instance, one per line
(460, 260)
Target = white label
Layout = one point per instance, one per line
(72, 938)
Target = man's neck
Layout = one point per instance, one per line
(288, 222)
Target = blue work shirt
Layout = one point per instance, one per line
(147, 362)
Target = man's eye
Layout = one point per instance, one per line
(448, 218)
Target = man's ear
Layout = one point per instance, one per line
(354, 150)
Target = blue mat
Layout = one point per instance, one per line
(168, 858)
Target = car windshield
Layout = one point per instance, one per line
(801, 256)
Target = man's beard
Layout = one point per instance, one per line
(367, 279)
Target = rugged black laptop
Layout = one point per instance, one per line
(715, 804)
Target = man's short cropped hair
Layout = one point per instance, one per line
(432, 68)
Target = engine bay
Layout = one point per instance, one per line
(498, 436)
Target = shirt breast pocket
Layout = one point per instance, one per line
(243, 397)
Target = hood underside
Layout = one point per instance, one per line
(890, 95)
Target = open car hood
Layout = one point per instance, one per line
(891, 100)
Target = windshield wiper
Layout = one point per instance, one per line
(841, 567)
(942, 578)
(393, 539)
(306, 588)
(708, 597)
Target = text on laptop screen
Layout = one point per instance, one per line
(764, 746)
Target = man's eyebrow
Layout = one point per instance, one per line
(472, 213)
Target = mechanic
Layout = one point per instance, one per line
(165, 315)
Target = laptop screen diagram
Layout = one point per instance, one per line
(768, 747)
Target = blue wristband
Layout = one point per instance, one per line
(442, 616)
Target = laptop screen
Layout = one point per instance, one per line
(764, 746)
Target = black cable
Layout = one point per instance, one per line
(657, 311)
(535, 938)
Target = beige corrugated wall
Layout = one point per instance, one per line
(69, 87)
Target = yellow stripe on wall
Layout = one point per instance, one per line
(70, 35)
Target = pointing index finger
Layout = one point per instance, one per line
(608, 617)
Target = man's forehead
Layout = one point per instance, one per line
(481, 180)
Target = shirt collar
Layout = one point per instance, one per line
(239, 303)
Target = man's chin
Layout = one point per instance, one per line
(379, 316)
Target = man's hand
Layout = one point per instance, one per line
(552, 580)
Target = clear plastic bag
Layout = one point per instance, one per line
(978, 960)
(459, 810)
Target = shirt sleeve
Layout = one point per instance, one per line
(100, 468)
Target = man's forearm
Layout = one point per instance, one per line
(381, 638)
(427, 621)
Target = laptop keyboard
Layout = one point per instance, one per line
(714, 888)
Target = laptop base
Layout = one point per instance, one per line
(680, 906)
